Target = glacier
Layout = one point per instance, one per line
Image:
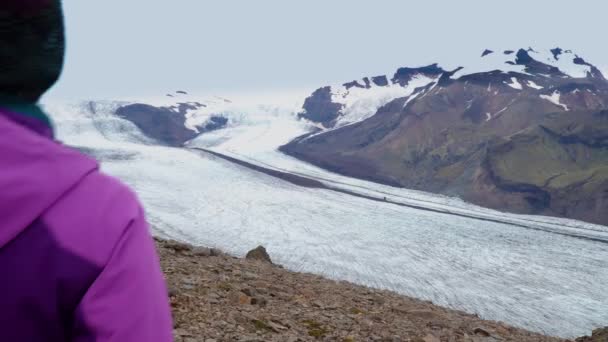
(541, 273)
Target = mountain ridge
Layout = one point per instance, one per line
(451, 137)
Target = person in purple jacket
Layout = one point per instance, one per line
(77, 262)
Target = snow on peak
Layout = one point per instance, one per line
(566, 61)
(489, 62)
(359, 103)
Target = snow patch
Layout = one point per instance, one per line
(532, 84)
(410, 99)
(469, 104)
(500, 111)
(555, 99)
(515, 84)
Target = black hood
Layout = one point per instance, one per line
(32, 48)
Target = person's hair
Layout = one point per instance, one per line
(31, 48)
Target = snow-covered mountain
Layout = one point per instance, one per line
(518, 130)
(355, 101)
(337, 106)
(557, 76)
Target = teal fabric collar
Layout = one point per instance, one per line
(26, 109)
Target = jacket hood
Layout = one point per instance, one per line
(31, 47)
(35, 172)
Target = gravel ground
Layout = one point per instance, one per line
(216, 297)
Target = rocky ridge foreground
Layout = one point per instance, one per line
(216, 297)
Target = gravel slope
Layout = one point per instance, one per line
(216, 297)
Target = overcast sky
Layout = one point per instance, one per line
(125, 48)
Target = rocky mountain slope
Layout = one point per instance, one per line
(525, 132)
(216, 297)
(177, 119)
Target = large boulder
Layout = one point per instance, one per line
(260, 254)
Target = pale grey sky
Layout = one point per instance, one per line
(122, 48)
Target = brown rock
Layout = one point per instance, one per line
(172, 291)
(260, 254)
(481, 332)
(240, 298)
(177, 246)
(181, 333)
(216, 252)
(276, 326)
(202, 251)
(431, 338)
(598, 335)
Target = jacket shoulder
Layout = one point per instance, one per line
(91, 218)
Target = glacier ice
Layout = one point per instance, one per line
(544, 274)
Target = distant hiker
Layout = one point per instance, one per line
(77, 262)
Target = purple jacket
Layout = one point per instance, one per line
(77, 261)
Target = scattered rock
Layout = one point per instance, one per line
(202, 251)
(231, 299)
(431, 338)
(181, 333)
(188, 284)
(177, 246)
(240, 298)
(216, 252)
(260, 254)
(172, 291)
(481, 332)
(598, 335)
(277, 327)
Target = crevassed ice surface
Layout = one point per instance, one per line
(256, 142)
(536, 279)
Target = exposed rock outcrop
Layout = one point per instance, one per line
(167, 124)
